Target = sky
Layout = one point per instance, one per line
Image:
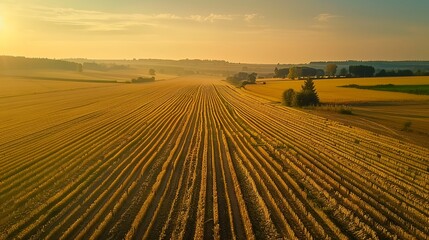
(251, 31)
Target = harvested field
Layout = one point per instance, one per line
(382, 112)
(193, 157)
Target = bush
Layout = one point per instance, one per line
(345, 110)
(244, 83)
(298, 99)
(407, 126)
(142, 79)
(288, 97)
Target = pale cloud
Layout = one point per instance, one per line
(325, 17)
(107, 21)
(214, 17)
(250, 17)
(197, 18)
(97, 20)
(210, 18)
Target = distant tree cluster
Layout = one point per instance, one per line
(294, 72)
(8, 63)
(195, 62)
(239, 76)
(331, 69)
(421, 73)
(393, 73)
(102, 67)
(362, 71)
(299, 72)
(368, 71)
(243, 78)
(344, 72)
(281, 73)
(143, 79)
(306, 97)
(94, 66)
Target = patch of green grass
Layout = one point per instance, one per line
(413, 89)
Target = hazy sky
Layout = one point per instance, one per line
(270, 31)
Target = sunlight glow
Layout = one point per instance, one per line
(1, 23)
(257, 33)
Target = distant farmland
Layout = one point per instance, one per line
(330, 91)
(412, 89)
(193, 157)
(383, 112)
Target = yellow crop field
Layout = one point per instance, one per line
(329, 92)
(194, 158)
(9, 87)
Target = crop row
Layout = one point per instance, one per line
(194, 158)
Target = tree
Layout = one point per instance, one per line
(288, 97)
(306, 97)
(281, 73)
(404, 73)
(252, 78)
(393, 73)
(152, 72)
(381, 73)
(362, 71)
(294, 72)
(343, 72)
(310, 72)
(242, 76)
(331, 69)
(309, 94)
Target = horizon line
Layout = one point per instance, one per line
(207, 59)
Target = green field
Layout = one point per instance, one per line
(413, 89)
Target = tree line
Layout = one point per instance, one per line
(298, 72)
(102, 66)
(331, 70)
(12, 63)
